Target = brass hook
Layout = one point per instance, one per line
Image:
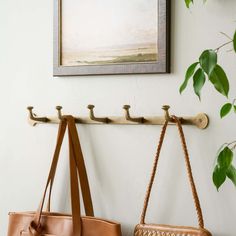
(59, 113)
(33, 117)
(167, 115)
(98, 119)
(133, 119)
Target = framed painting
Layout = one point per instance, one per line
(99, 37)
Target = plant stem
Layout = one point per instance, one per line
(223, 45)
(234, 146)
(226, 35)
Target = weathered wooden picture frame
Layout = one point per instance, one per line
(111, 37)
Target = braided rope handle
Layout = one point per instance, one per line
(189, 171)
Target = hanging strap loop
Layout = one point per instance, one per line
(78, 155)
(77, 169)
(189, 170)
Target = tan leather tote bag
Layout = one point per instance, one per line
(47, 223)
(144, 229)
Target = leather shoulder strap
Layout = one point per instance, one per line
(79, 160)
(74, 162)
(74, 185)
(78, 155)
(61, 134)
(189, 170)
(190, 174)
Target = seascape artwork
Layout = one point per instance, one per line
(109, 32)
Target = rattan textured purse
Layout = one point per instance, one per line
(144, 229)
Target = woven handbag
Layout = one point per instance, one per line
(144, 229)
(48, 223)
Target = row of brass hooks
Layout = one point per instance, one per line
(92, 116)
(200, 120)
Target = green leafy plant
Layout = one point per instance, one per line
(226, 108)
(189, 2)
(207, 67)
(234, 41)
(224, 168)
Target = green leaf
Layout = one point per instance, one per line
(189, 73)
(219, 79)
(225, 158)
(231, 174)
(225, 109)
(188, 2)
(220, 149)
(234, 41)
(219, 177)
(199, 79)
(208, 60)
(235, 108)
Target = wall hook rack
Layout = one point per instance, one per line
(92, 116)
(201, 120)
(33, 117)
(59, 114)
(133, 119)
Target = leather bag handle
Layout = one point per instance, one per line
(78, 155)
(74, 185)
(189, 170)
(80, 164)
(35, 227)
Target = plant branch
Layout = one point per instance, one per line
(223, 45)
(233, 147)
(232, 143)
(226, 35)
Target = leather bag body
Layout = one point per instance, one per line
(48, 223)
(143, 229)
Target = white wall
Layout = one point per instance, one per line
(119, 158)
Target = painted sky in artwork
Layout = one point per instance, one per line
(94, 24)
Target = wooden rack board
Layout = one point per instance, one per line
(201, 120)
